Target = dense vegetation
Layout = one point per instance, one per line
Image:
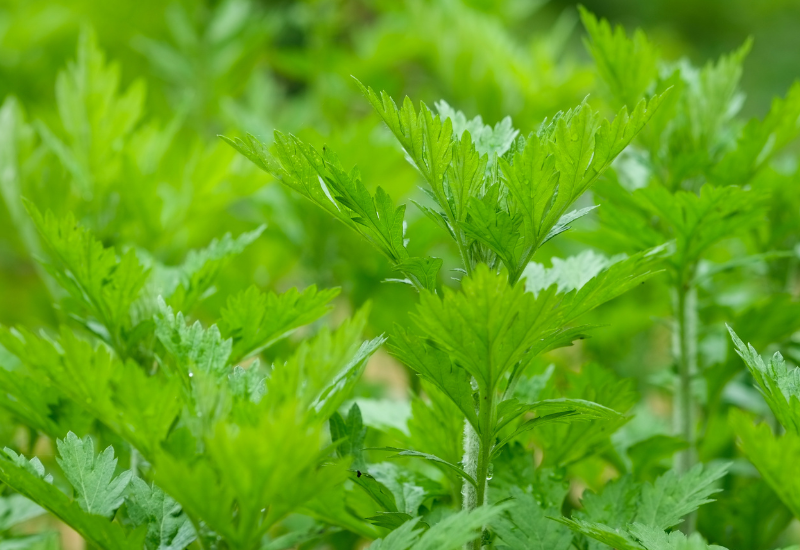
(390, 324)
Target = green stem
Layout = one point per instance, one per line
(685, 351)
(462, 250)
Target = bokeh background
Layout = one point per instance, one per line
(196, 69)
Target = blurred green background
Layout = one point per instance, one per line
(205, 68)
(161, 181)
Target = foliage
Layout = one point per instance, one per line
(192, 356)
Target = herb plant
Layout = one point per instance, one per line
(171, 403)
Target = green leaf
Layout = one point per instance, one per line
(409, 488)
(182, 286)
(401, 538)
(665, 502)
(560, 163)
(323, 371)
(254, 320)
(323, 180)
(616, 538)
(627, 66)
(489, 141)
(776, 458)
(28, 479)
(526, 526)
(290, 166)
(456, 530)
(615, 505)
(407, 452)
(777, 382)
(464, 176)
(425, 270)
(436, 426)
(761, 140)
(15, 509)
(251, 474)
(425, 138)
(137, 406)
(549, 410)
(495, 228)
(568, 274)
(376, 490)
(698, 221)
(192, 348)
(31, 401)
(486, 328)
(167, 526)
(393, 520)
(96, 116)
(96, 488)
(449, 534)
(711, 98)
(607, 517)
(348, 436)
(653, 538)
(568, 443)
(434, 365)
(104, 286)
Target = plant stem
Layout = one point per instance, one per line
(685, 350)
(477, 456)
(469, 496)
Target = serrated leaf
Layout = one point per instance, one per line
(666, 501)
(254, 320)
(627, 66)
(323, 371)
(183, 285)
(449, 534)
(435, 366)
(761, 140)
(192, 347)
(777, 382)
(698, 221)
(425, 270)
(653, 538)
(526, 526)
(776, 458)
(29, 479)
(103, 285)
(568, 274)
(573, 409)
(489, 141)
(92, 477)
(168, 528)
(425, 138)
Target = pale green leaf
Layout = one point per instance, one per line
(92, 477)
